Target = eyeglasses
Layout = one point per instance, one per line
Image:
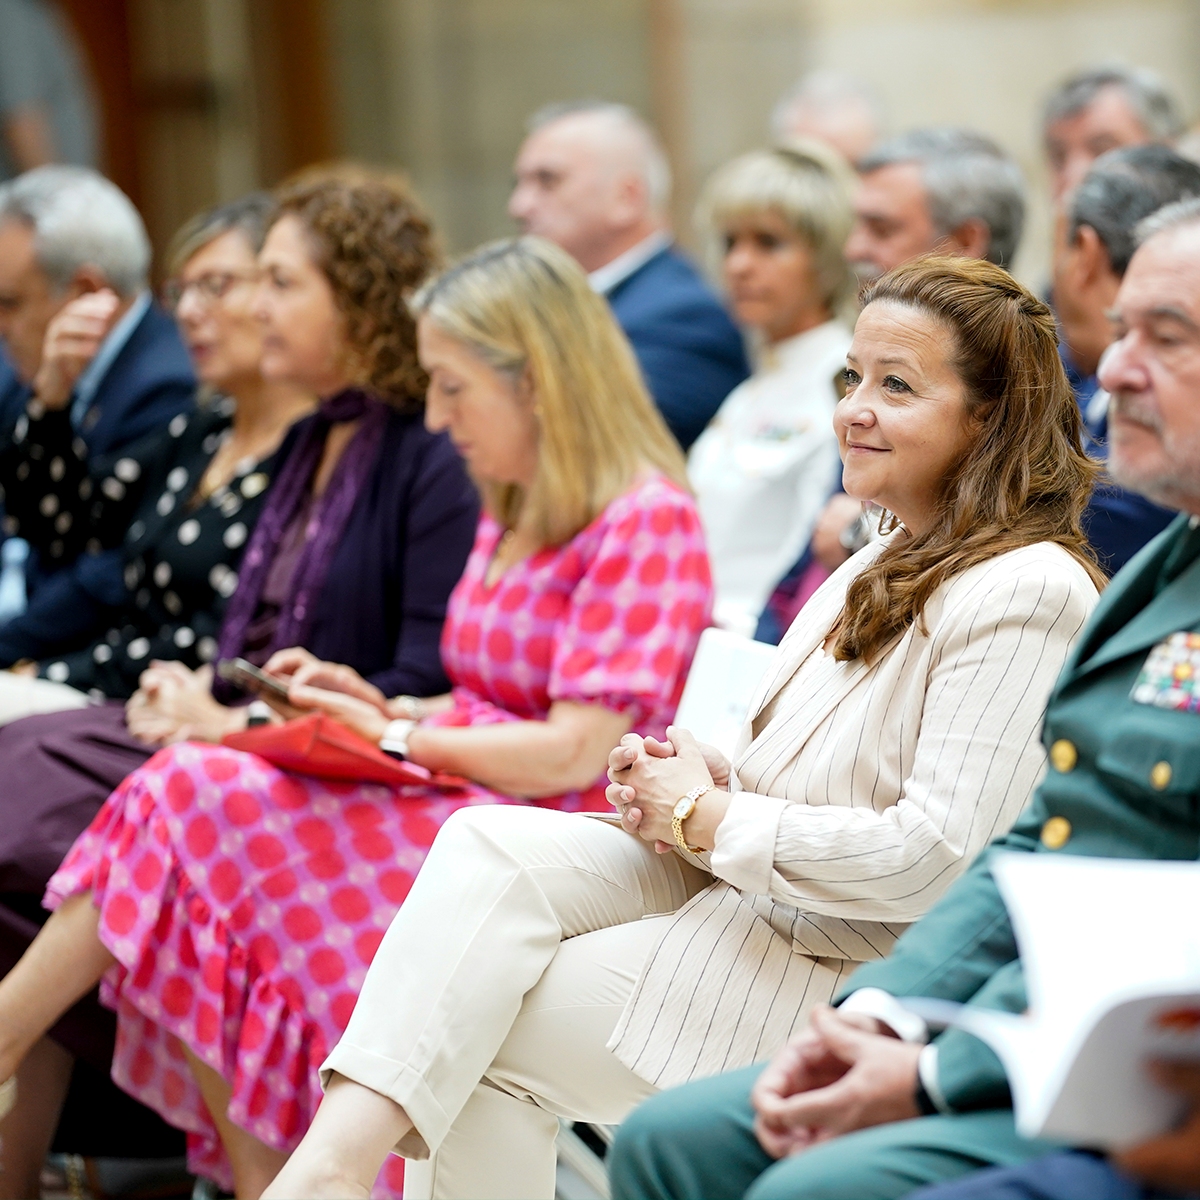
(210, 289)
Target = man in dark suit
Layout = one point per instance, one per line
(593, 179)
(13, 393)
(863, 1103)
(85, 339)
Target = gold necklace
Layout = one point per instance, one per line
(496, 566)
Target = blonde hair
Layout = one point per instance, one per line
(525, 308)
(809, 185)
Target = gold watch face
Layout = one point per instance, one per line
(683, 807)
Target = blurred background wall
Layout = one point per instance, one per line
(203, 99)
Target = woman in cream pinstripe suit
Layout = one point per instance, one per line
(549, 965)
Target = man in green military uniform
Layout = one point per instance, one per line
(861, 1105)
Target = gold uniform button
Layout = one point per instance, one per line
(1160, 776)
(1056, 833)
(1063, 755)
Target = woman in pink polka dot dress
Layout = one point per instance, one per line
(233, 908)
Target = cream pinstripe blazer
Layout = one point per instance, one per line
(864, 792)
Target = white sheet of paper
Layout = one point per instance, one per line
(1108, 946)
(720, 685)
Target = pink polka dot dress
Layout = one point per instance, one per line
(244, 904)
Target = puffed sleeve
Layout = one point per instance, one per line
(633, 619)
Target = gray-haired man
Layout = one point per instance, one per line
(592, 178)
(1102, 109)
(945, 190)
(79, 327)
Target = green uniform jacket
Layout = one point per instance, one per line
(1123, 782)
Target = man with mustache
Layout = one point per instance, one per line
(864, 1102)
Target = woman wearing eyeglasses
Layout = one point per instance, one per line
(181, 500)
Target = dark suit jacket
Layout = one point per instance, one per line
(13, 393)
(1105, 794)
(148, 383)
(690, 352)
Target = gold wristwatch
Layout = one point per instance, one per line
(684, 807)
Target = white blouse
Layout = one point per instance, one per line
(764, 468)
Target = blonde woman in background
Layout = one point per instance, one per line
(766, 464)
(233, 908)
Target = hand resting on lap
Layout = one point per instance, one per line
(844, 1072)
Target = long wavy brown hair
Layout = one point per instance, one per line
(1024, 479)
(376, 246)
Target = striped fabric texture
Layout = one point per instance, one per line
(865, 790)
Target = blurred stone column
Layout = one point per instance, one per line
(192, 79)
(733, 61)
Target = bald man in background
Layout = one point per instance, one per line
(833, 107)
(593, 179)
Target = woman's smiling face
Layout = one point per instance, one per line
(902, 425)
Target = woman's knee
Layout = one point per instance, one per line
(513, 829)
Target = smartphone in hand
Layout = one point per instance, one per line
(252, 679)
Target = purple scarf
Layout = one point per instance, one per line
(322, 535)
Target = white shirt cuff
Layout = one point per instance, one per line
(875, 1002)
(744, 853)
(927, 1072)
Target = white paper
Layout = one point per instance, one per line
(1111, 956)
(720, 686)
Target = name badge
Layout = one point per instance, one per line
(1170, 676)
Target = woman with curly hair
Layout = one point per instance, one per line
(358, 542)
(239, 906)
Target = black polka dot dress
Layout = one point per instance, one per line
(180, 556)
(45, 486)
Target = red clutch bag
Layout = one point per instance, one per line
(320, 746)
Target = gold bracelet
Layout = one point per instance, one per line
(684, 807)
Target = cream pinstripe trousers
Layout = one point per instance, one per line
(487, 1008)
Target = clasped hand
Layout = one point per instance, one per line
(175, 704)
(842, 1073)
(647, 777)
